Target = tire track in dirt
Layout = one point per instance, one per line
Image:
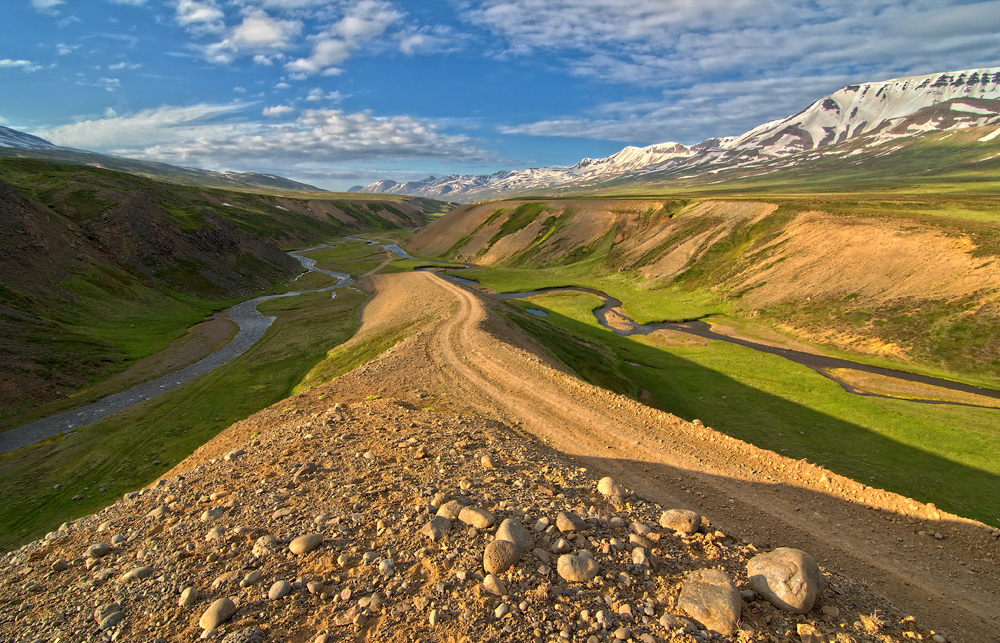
(866, 533)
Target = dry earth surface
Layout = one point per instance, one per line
(467, 410)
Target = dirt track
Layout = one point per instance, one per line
(467, 359)
(949, 583)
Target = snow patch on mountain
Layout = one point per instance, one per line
(880, 111)
(13, 138)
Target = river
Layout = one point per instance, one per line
(252, 326)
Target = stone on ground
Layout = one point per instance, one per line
(682, 521)
(789, 578)
(577, 568)
(711, 598)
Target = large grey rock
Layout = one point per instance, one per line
(112, 619)
(188, 597)
(279, 589)
(265, 545)
(135, 574)
(305, 544)
(513, 531)
(682, 521)
(580, 568)
(453, 508)
(608, 487)
(436, 528)
(711, 598)
(247, 635)
(97, 551)
(499, 556)
(789, 578)
(569, 521)
(217, 613)
(477, 517)
(494, 585)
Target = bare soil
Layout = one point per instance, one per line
(475, 362)
(464, 383)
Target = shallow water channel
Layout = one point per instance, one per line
(252, 326)
(625, 326)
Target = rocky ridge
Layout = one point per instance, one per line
(320, 528)
(386, 505)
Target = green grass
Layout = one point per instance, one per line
(643, 301)
(353, 257)
(943, 454)
(118, 453)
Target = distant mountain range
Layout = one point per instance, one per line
(875, 113)
(19, 144)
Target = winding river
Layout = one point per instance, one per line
(625, 326)
(252, 326)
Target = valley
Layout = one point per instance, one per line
(791, 332)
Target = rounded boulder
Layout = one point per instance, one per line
(577, 568)
(683, 521)
(499, 556)
(788, 578)
(710, 597)
(217, 613)
(305, 544)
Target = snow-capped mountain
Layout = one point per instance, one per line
(861, 109)
(880, 110)
(13, 138)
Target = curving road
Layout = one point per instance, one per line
(873, 534)
(822, 364)
(252, 326)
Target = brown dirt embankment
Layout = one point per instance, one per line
(471, 361)
(363, 472)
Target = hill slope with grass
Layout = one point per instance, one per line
(338, 514)
(99, 269)
(15, 144)
(907, 278)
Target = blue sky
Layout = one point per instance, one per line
(345, 92)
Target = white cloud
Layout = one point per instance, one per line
(646, 42)
(724, 66)
(364, 21)
(132, 3)
(158, 125)
(428, 40)
(207, 135)
(258, 34)
(199, 15)
(47, 6)
(26, 65)
(278, 110)
(691, 114)
(317, 94)
(109, 84)
(288, 5)
(123, 65)
(63, 49)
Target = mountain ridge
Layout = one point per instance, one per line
(874, 109)
(17, 144)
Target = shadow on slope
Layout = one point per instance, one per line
(939, 454)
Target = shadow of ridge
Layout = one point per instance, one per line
(877, 548)
(844, 446)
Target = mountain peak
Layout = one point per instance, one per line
(13, 138)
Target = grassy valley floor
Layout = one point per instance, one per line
(129, 449)
(945, 454)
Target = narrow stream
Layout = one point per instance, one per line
(252, 326)
(822, 364)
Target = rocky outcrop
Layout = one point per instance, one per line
(344, 553)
